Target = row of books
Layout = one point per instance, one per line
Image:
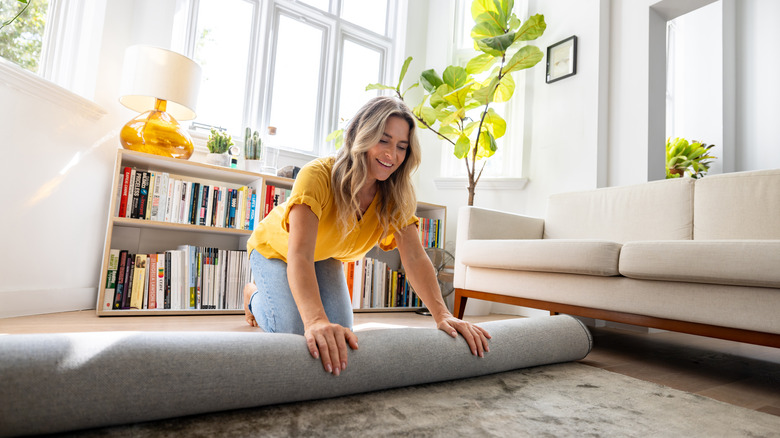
(159, 196)
(187, 278)
(373, 284)
(274, 196)
(431, 231)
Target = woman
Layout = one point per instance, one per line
(339, 209)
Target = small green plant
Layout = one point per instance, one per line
(219, 142)
(253, 145)
(682, 157)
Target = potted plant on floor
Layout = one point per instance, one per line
(218, 143)
(691, 157)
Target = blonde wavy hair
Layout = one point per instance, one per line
(397, 200)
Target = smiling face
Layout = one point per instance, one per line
(388, 155)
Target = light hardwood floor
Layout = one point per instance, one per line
(740, 374)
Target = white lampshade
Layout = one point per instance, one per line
(151, 73)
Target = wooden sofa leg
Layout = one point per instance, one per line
(460, 304)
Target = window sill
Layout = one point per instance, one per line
(483, 184)
(27, 82)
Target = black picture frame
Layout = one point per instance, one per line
(562, 60)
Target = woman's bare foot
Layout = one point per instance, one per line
(249, 289)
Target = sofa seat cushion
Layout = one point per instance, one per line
(728, 262)
(566, 256)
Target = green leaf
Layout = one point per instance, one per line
(403, 72)
(532, 29)
(335, 134)
(428, 114)
(485, 94)
(485, 29)
(455, 76)
(526, 57)
(505, 90)
(457, 98)
(486, 146)
(498, 45)
(430, 80)
(480, 63)
(414, 85)
(379, 87)
(462, 147)
(495, 124)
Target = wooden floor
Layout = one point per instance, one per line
(740, 374)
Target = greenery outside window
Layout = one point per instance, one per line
(21, 42)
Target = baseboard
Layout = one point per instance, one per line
(37, 302)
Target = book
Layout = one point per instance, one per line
(143, 195)
(125, 192)
(151, 281)
(111, 277)
(167, 290)
(130, 194)
(203, 202)
(357, 286)
(150, 191)
(129, 271)
(119, 293)
(136, 194)
(160, 299)
(139, 282)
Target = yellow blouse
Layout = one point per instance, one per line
(313, 188)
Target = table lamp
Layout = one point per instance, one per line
(163, 86)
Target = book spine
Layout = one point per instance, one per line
(120, 280)
(125, 192)
(204, 202)
(143, 195)
(252, 210)
(152, 283)
(167, 280)
(111, 277)
(130, 270)
(139, 281)
(136, 194)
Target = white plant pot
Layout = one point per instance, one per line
(253, 165)
(218, 159)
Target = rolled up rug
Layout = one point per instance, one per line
(61, 382)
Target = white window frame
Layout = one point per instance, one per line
(512, 143)
(262, 53)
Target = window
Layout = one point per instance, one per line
(21, 42)
(506, 162)
(298, 65)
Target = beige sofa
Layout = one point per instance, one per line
(695, 256)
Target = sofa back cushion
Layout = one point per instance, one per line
(658, 210)
(741, 205)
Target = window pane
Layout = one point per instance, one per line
(319, 4)
(371, 14)
(21, 41)
(295, 85)
(222, 49)
(360, 67)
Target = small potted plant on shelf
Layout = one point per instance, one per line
(683, 156)
(253, 150)
(218, 143)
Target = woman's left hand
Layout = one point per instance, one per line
(475, 336)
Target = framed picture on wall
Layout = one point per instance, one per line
(562, 59)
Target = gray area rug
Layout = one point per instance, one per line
(567, 399)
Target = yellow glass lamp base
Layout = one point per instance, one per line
(157, 132)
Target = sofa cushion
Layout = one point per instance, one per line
(728, 262)
(657, 210)
(740, 205)
(581, 256)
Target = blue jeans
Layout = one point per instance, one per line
(273, 305)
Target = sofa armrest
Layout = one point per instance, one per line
(483, 223)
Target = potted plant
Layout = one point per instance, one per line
(253, 150)
(218, 143)
(691, 157)
(456, 105)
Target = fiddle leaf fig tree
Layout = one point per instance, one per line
(456, 105)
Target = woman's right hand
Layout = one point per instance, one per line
(328, 342)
